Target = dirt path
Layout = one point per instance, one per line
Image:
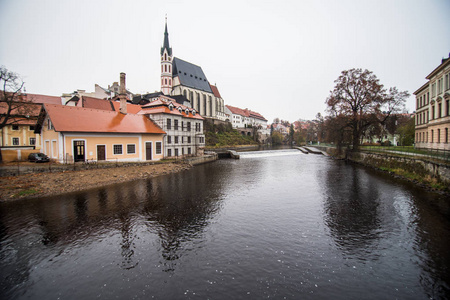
(47, 184)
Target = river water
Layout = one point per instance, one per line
(280, 225)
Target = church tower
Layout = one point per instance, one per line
(166, 65)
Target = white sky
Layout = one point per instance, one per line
(278, 58)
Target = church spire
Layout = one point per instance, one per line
(166, 42)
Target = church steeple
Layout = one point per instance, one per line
(166, 42)
(166, 65)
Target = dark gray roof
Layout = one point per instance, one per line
(180, 99)
(144, 99)
(190, 75)
(166, 43)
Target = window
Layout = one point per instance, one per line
(158, 147)
(432, 112)
(131, 149)
(189, 140)
(189, 150)
(32, 141)
(14, 127)
(117, 149)
(433, 90)
(446, 135)
(169, 152)
(439, 109)
(188, 126)
(175, 124)
(447, 81)
(176, 139)
(182, 125)
(49, 125)
(169, 139)
(169, 122)
(15, 141)
(440, 85)
(31, 128)
(432, 135)
(447, 108)
(176, 152)
(439, 136)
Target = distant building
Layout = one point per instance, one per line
(433, 109)
(243, 118)
(179, 77)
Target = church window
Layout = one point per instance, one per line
(165, 81)
(170, 81)
(165, 56)
(169, 69)
(162, 70)
(165, 68)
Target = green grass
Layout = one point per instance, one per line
(27, 192)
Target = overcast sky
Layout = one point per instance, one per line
(278, 58)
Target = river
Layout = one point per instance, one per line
(277, 224)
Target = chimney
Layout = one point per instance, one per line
(123, 94)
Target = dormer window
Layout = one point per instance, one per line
(187, 111)
(194, 112)
(171, 106)
(179, 109)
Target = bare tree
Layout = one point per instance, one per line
(360, 99)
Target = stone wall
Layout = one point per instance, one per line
(413, 165)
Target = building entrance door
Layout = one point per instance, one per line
(101, 152)
(78, 151)
(148, 151)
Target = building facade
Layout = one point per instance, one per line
(182, 124)
(71, 134)
(433, 109)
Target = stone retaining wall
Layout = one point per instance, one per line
(413, 165)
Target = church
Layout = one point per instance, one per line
(179, 77)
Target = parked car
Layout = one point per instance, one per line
(38, 157)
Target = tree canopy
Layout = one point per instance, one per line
(359, 100)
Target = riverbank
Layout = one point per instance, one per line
(56, 183)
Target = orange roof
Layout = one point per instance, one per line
(245, 112)
(79, 119)
(131, 108)
(36, 98)
(161, 106)
(215, 91)
(96, 103)
(21, 109)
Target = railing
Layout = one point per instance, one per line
(435, 154)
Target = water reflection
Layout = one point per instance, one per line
(173, 208)
(352, 210)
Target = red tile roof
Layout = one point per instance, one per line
(79, 119)
(162, 106)
(96, 103)
(245, 112)
(131, 108)
(36, 98)
(215, 91)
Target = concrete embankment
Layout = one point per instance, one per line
(198, 160)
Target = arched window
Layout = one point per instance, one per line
(165, 56)
(165, 68)
(170, 81)
(170, 68)
(165, 81)
(162, 68)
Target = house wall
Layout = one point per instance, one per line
(23, 134)
(171, 146)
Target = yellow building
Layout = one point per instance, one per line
(433, 109)
(79, 134)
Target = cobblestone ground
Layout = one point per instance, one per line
(47, 184)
